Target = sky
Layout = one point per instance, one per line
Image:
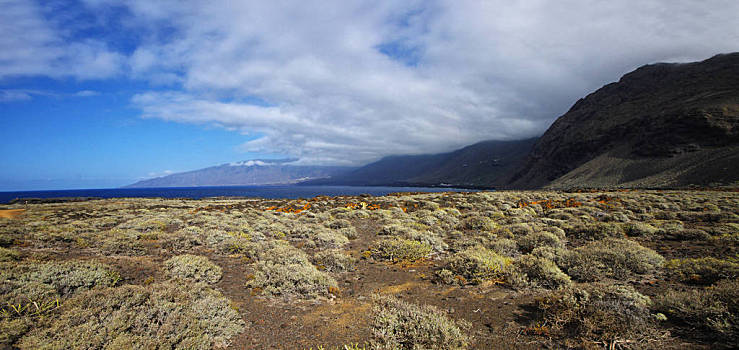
(103, 93)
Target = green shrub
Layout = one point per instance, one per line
(534, 240)
(713, 309)
(340, 223)
(334, 260)
(398, 249)
(505, 247)
(478, 264)
(519, 229)
(329, 239)
(554, 254)
(615, 258)
(13, 329)
(596, 231)
(123, 242)
(300, 279)
(193, 267)
(598, 312)
(7, 254)
(6, 240)
(401, 325)
(688, 234)
(478, 223)
(639, 229)
(287, 271)
(701, 270)
(537, 272)
(64, 279)
(349, 232)
(162, 316)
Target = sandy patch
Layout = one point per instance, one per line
(11, 213)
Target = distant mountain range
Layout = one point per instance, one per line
(245, 173)
(484, 164)
(660, 126)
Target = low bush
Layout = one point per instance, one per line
(614, 258)
(301, 279)
(398, 249)
(713, 309)
(329, 239)
(537, 272)
(519, 229)
(706, 270)
(334, 260)
(596, 231)
(505, 247)
(287, 271)
(12, 329)
(534, 240)
(598, 312)
(688, 234)
(159, 316)
(477, 223)
(639, 229)
(401, 325)
(31, 291)
(339, 223)
(6, 240)
(554, 254)
(62, 279)
(193, 267)
(123, 242)
(348, 232)
(7, 254)
(478, 264)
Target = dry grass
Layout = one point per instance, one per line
(141, 273)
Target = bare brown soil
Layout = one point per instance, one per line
(502, 317)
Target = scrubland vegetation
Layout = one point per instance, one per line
(618, 270)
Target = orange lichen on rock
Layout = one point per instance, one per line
(290, 209)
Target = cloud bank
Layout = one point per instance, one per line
(346, 82)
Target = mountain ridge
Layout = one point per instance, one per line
(661, 125)
(253, 172)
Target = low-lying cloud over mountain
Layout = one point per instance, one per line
(347, 82)
(245, 173)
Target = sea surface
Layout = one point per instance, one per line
(225, 191)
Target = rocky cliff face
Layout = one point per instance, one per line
(662, 125)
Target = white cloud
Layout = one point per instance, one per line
(14, 95)
(32, 45)
(346, 82)
(86, 93)
(152, 175)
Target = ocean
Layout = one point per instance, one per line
(284, 191)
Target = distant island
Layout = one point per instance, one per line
(245, 173)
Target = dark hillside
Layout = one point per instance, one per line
(662, 125)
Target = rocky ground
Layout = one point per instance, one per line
(626, 269)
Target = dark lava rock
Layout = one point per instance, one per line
(662, 125)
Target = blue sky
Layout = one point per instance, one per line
(102, 93)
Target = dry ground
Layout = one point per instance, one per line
(625, 269)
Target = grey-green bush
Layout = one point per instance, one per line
(164, 316)
(401, 325)
(193, 267)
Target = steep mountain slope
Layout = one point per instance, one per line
(662, 125)
(253, 172)
(482, 164)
